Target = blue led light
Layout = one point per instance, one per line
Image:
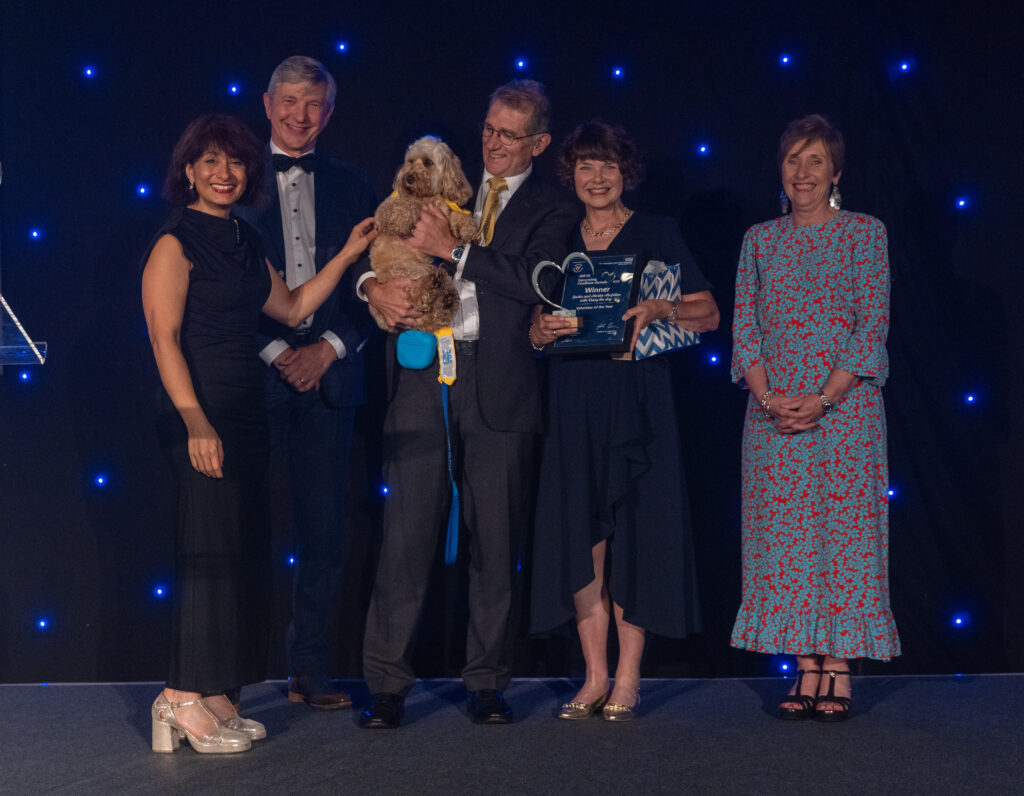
(142, 190)
(35, 233)
(713, 359)
(703, 149)
(100, 479)
(25, 375)
(961, 620)
(89, 71)
(784, 667)
(384, 489)
(43, 623)
(291, 561)
(969, 398)
(962, 203)
(234, 88)
(342, 47)
(891, 492)
(784, 59)
(521, 64)
(905, 66)
(160, 591)
(618, 73)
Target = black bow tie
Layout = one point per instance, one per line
(283, 162)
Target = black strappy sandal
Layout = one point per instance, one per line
(807, 702)
(842, 713)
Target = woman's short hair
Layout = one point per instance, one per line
(814, 127)
(216, 131)
(599, 140)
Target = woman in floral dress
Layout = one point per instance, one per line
(811, 316)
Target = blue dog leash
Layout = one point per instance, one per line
(451, 544)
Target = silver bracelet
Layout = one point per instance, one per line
(766, 403)
(826, 405)
(529, 336)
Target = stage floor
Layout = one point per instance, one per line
(907, 735)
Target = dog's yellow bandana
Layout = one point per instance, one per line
(448, 202)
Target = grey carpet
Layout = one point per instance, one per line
(930, 735)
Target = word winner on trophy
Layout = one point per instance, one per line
(597, 291)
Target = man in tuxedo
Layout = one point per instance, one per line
(493, 411)
(315, 374)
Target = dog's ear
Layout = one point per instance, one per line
(396, 184)
(454, 185)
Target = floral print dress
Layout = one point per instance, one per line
(810, 299)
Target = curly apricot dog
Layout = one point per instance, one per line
(431, 174)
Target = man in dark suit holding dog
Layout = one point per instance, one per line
(315, 374)
(494, 416)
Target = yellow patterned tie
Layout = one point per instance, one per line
(490, 213)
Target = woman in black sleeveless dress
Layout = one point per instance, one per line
(204, 283)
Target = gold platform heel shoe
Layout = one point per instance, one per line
(250, 727)
(168, 732)
(254, 729)
(615, 712)
(573, 711)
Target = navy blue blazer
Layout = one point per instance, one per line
(342, 197)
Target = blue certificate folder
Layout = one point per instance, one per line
(600, 289)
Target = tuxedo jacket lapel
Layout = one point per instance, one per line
(271, 226)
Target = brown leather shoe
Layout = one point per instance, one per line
(318, 693)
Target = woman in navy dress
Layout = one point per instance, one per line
(612, 532)
(204, 283)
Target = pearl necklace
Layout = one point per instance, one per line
(606, 232)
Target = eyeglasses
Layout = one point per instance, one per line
(507, 137)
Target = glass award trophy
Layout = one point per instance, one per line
(596, 291)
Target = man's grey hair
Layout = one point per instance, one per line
(303, 69)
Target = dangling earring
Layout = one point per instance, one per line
(835, 199)
(191, 186)
(783, 201)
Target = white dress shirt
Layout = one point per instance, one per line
(295, 190)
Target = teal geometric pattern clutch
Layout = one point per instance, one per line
(661, 281)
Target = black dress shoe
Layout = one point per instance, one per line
(385, 712)
(488, 706)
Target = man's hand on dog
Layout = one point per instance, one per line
(432, 235)
(391, 301)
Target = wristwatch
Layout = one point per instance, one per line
(457, 252)
(826, 404)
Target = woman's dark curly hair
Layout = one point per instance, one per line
(599, 140)
(216, 131)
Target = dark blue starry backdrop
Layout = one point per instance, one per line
(94, 95)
